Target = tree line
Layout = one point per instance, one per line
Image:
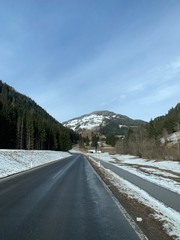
(25, 125)
(150, 141)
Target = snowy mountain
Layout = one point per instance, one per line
(104, 122)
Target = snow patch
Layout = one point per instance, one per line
(168, 216)
(171, 138)
(87, 122)
(162, 173)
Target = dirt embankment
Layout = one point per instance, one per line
(151, 227)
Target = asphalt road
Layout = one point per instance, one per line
(169, 198)
(64, 200)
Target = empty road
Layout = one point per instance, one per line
(169, 198)
(63, 200)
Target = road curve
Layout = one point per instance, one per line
(64, 200)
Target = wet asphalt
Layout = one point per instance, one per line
(64, 200)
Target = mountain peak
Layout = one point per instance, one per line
(105, 122)
(102, 112)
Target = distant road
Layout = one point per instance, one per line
(169, 198)
(64, 200)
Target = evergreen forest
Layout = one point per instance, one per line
(151, 140)
(25, 125)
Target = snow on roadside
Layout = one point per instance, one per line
(168, 216)
(14, 161)
(154, 171)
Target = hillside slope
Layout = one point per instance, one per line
(103, 122)
(25, 125)
(167, 124)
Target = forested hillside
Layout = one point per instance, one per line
(25, 125)
(165, 124)
(151, 140)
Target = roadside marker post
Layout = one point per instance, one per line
(31, 158)
(99, 156)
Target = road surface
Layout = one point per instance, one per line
(169, 198)
(64, 200)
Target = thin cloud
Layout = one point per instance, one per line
(139, 87)
(166, 72)
(161, 95)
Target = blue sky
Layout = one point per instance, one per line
(77, 56)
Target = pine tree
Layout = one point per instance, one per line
(25, 125)
(94, 140)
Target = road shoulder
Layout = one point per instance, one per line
(150, 226)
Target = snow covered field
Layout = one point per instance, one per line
(163, 173)
(13, 161)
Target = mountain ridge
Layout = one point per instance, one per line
(101, 112)
(103, 122)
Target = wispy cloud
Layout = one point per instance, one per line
(165, 72)
(78, 58)
(162, 94)
(139, 87)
